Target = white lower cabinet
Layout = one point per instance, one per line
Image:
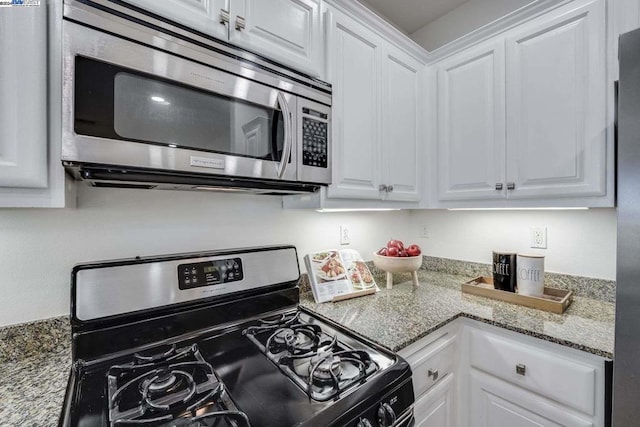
(436, 407)
(509, 379)
(433, 362)
(471, 374)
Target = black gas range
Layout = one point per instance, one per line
(218, 339)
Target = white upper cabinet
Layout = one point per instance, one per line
(23, 97)
(522, 119)
(471, 124)
(288, 31)
(201, 15)
(31, 174)
(556, 107)
(356, 61)
(376, 111)
(401, 124)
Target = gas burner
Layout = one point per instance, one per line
(169, 385)
(296, 340)
(325, 369)
(330, 373)
(271, 323)
(156, 355)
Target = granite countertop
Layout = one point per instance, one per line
(398, 317)
(32, 389)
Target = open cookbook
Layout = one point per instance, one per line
(335, 275)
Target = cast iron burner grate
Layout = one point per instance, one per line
(319, 364)
(170, 387)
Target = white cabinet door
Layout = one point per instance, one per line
(556, 107)
(495, 403)
(355, 56)
(471, 124)
(436, 408)
(201, 15)
(289, 31)
(401, 118)
(23, 97)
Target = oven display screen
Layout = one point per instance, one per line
(209, 273)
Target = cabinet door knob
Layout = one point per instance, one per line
(498, 186)
(521, 369)
(240, 23)
(433, 373)
(224, 16)
(390, 188)
(511, 185)
(383, 187)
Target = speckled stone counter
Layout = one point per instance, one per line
(32, 389)
(35, 360)
(398, 317)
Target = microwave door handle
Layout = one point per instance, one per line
(286, 151)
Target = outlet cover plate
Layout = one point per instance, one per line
(345, 235)
(539, 237)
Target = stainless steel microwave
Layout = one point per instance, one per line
(150, 104)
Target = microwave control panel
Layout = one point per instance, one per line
(209, 273)
(315, 139)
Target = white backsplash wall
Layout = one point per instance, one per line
(579, 242)
(38, 247)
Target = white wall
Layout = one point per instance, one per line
(38, 247)
(462, 20)
(580, 243)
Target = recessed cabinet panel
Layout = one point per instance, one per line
(23, 97)
(201, 15)
(556, 106)
(286, 30)
(436, 408)
(356, 54)
(400, 122)
(470, 120)
(497, 403)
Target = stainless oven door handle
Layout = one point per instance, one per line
(288, 131)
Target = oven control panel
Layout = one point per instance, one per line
(209, 273)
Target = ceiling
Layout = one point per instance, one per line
(411, 15)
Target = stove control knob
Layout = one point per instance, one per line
(364, 423)
(386, 416)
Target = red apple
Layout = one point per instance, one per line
(403, 253)
(414, 250)
(395, 244)
(382, 252)
(393, 251)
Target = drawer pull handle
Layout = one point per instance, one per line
(521, 369)
(433, 373)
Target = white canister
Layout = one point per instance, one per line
(530, 274)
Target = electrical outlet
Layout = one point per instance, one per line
(424, 231)
(345, 235)
(539, 237)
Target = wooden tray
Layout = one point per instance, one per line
(553, 300)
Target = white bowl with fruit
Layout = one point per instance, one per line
(396, 258)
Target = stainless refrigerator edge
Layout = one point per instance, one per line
(626, 365)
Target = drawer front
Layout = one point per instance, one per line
(551, 375)
(431, 367)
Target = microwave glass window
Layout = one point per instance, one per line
(114, 102)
